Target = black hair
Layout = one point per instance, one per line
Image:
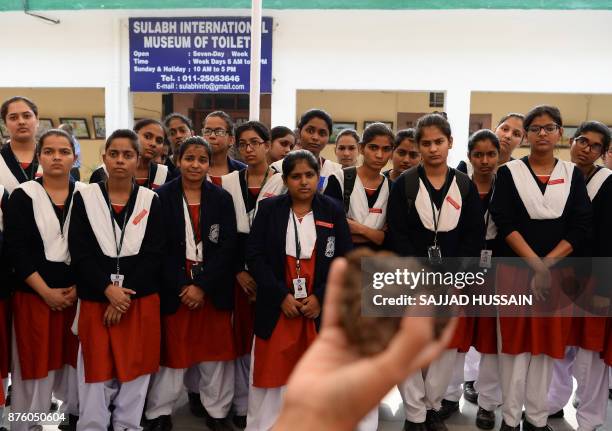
(147, 122)
(432, 120)
(349, 132)
(176, 115)
(126, 134)
(54, 132)
(194, 141)
(280, 132)
(6, 103)
(595, 127)
(403, 135)
(316, 113)
(510, 115)
(552, 111)
(374, 130)
(225, 117)
(293, 157)
(259, 128)
(483, 135)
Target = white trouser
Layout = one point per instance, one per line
(216, 389)
(95, 399)
(34, 395)
(525, 379)
(241, 385)
(487, 383)
(591, 374)
(454, 389)
(425, 389)
(472, 363)
(264, 403)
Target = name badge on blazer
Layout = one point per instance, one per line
(556, 181)
(375, 210)
(324, 224)
(140, 216)
(330, 247)
(453, 202)
(213, 234)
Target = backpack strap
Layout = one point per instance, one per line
(350, 175)
(463, 182)
(411, 181)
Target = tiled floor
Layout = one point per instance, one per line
(392, 417)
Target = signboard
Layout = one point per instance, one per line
(196, 55)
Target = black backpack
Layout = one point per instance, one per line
(411, 181)
(350, 175)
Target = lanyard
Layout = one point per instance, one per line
(298, 246)
(63, 218)
(118, 246)
(193, 226)
(246, 193)
(436, 221)
(489, 212)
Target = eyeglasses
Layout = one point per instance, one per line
(549, 128)
(253, 143)
(594, 147)
(216, 132)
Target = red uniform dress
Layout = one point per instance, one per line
(193, 336)
(216, 180)
(5, 338)
(125, 351)
(276, 357)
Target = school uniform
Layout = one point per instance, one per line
(200, 244)
(5, 309)
(587, 337)
(544, 211)
(365, 206)
(115, 363)
(328, 168)
(246, 202)
(44, 350)
(411, 232)
(158, 175)
(320, 236)
(232, 165)
(13, 173)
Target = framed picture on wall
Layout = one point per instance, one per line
(389, 124)
(99, 124)
(79, 127)
(341, 125)
(44, 124)
(3, 131)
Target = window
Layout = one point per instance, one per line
(436, 100)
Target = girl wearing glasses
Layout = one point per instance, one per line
(543, 213)
(218, 130)
(151, 136)
(405, 154)
(116, 244)
(36, 237)
(364, 191)
(315, 127)
(292, 243)
(434, 211)
(588, 335)
(197, 296)
(248, 187)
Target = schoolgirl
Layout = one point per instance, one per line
(44, 349)
(364, 191)
(315, 127)
(218, 130)
(543, 213)
(197, 293)
(292, 242)
(179, 128)
(347, 148)
(444, 220)
(248, 187)
(282, 141)
(405, 154)
(116, 241)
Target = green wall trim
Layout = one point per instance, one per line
(15, 5)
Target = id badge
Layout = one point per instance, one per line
(196, 270)
(485, 258)
(299, 288)
(117, 279)
(434, 254)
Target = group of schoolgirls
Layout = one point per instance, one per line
(117, 297)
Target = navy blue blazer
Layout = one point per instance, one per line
(265, 253)
(219, 235)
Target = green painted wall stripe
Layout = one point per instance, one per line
(15, 5)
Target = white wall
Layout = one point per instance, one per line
(456, 51)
